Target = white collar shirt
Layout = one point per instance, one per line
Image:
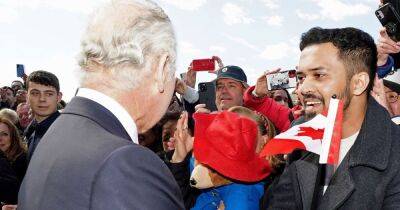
(114, 107)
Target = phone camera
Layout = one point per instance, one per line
(202, 87)
(391, 28)
(380, 14)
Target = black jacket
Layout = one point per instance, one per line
(38, 131)
(367, 178)
(9, 183)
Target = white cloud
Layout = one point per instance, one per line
(294, 41)
(10, 10)
(278, 51)
(218, 49)
(271, 4)
(252, 73)
(307, 16)
(8, 14)
(65, 67)
(234, 14)
(335, 10)
(188, 49)
(78, 6)
(242, 42)
(186, 4)
(275, 20)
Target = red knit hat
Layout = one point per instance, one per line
(226, 142)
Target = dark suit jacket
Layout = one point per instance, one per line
(86, 160)
(367, 178)
(9, 182)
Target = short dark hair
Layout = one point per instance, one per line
(18, 82)
(43, 78)
(8, 88)
(357, 48)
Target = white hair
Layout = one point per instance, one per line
(123, 38)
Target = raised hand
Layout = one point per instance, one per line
(261, 86)
(183, 142)
(386, 46)
(378, 92)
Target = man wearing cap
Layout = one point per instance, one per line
(231, 89)
(392, 91)
(386, 92)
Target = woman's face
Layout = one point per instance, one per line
(261, 141)
(5, 137)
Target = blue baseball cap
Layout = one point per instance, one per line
(233, 72)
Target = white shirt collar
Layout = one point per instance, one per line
(114, 107)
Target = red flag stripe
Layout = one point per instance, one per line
(281, 146)
(334, 149)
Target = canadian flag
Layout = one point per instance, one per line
(320, 135)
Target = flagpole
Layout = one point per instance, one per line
(329, 155)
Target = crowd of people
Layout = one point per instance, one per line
(121, 143)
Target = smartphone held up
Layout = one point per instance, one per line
(20, 70)
(207, 64)
(390, 19)
(282, 80)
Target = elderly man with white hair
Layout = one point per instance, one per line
(90, 157)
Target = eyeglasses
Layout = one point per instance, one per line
(392, 96)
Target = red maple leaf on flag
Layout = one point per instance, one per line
(315, 134)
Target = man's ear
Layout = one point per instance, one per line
(360, 83)
(162, 73)
(59, 97)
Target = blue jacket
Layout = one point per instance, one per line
(235, 196)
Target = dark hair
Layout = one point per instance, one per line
(290, 101)
(18, 82)
(43, 78)
(356, 48)
(16, 147)
(9, 88)
(61, 105)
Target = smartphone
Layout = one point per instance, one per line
(20, 70)
(207, 95)
(282, 80)
(390, 19)
(203, 64)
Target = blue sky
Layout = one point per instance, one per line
(254, 34)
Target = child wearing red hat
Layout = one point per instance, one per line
(227, 143)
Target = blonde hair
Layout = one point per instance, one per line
(10, 115)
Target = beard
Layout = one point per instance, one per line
(345, 94)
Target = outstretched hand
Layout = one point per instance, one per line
(190, 78)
